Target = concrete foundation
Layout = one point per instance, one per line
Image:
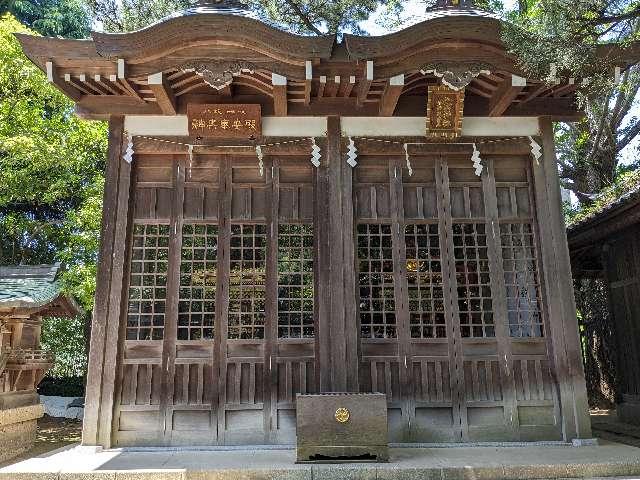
(449, 463)
(18, 430)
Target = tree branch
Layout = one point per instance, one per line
(614, 18)
(303, 17)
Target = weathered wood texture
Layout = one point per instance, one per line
(109, 294)
(565, 346)
(242, 290)
(621, 259)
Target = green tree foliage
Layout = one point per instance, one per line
(51, 172)
(566, 34)
(52, 18)
(65, 338)
(313, 17)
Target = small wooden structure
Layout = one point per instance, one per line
(375, 228)
(607, 245)
(27, 294)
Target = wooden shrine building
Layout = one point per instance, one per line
(287, 214)
(27, 294)
(606, 244)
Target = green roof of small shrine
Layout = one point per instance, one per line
(35, 287)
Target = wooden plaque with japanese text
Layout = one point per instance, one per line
(225, 120)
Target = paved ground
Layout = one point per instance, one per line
(460, 463)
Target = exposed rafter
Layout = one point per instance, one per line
(279, 94)
(365, 83)
(391, 95)
(163, 92)
(504, 96)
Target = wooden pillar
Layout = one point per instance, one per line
(565, 342)
(337, 324)
(109, 298)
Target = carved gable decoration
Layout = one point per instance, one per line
(444, 112)
(218, 74)
(456, 75)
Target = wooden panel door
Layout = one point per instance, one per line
(292, 319)
(382, 323)
(433, 345)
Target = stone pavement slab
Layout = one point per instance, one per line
(442, 463)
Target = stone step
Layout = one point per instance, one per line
(459, 463)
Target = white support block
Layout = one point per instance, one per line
(96, 77)
(323, 79)
(398, 80)
(49, 66)
(121, 68)
(352, 79)
(308, 70)
(67, 77)
(337, 79)
(83, 77)
(278, 79)
(517, 81)
(155, 79)
(113, 78)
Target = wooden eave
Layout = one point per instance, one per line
(87, 70)
(190, 31)
(600, 227)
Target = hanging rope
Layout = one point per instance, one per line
(128, 154)
(260, 161)
(406, 154)
(315, 153)
(352, 153)
(536, 150)
(477, 161)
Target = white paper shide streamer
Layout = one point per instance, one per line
(477, 161)
(536, 150)
(406, 154)
(260, 156)
(128, 154)
(352, 153)
(315, 153)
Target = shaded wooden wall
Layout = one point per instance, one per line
(621, 261)
(230, 292)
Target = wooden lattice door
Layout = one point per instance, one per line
(450, 310)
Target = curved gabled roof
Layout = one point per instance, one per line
(193, 31)
(35, 288)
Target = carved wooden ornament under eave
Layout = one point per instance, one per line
(444, 112)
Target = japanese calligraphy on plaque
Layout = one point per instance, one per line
(444, 112)
(224, 120)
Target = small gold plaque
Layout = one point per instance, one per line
(342, 415)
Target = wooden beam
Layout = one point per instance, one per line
(91, 105)
(94, 427)
(390, 96)
(558, 108)
(365, 83)
(279, 94)
(556, 268)
(308, 81)
(122, 71)
(503, 97)
(163, 92)
(66, 88)
(321, 86)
